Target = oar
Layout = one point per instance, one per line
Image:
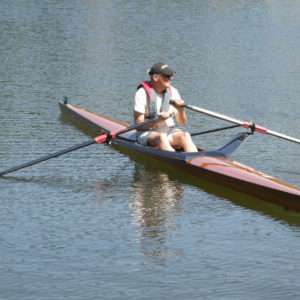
(97, 140)
(249, 125)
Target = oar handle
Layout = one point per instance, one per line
(255, 127)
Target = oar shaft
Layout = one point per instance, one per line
(284, 136)
(44, 158)
(99, 139)
(257, 128)
(214, 114)
(138, 125)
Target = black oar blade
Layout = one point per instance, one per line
(44, 158)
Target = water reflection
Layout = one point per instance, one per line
(155, 202)
(154, 197)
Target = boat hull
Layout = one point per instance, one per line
(217, 169)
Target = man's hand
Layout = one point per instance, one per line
(166, 115)
(180, 115)
(178, 104)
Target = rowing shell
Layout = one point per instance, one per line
(214, 166)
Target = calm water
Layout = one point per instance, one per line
(99, 224)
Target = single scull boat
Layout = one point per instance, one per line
(214, 166)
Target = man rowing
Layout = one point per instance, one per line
(152, 100)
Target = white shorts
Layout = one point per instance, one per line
(142, 136)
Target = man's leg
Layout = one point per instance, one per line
(184, 140)
(161, 140)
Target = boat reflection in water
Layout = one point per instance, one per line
(154, 197)
(155, 203)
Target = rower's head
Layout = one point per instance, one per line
(161, 75)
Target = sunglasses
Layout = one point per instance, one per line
(165, 76)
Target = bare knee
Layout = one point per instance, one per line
(185, 141)
(164, 143)
(163, 138)
(185, 137)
